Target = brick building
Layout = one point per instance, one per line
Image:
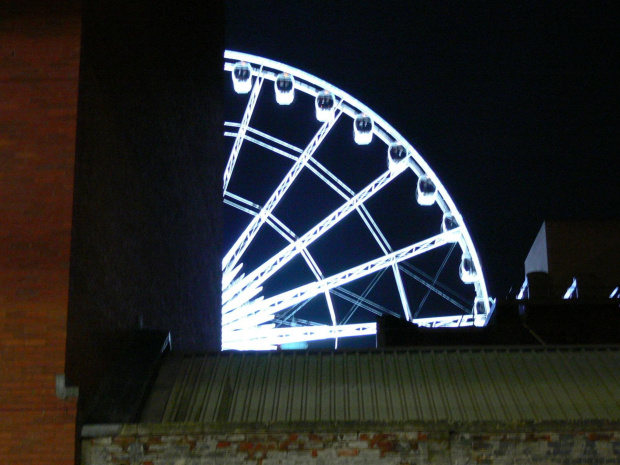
(92, 246)
(552, 405)
(39, 61)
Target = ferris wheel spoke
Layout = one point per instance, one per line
(386, 248)
(428, 291)
(264, 145)
(306, 255)
(433, 288)
(279, 322)
(249, 109)
(359, 301)
(261, 311)
(235, 253)
(374, 229)
(314, 166)
(253, 209)
(243, 204)
(426, 279)
(264, 135)
(401, 292)
(288, 317)
(257, 277)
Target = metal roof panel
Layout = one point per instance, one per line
(402, 385)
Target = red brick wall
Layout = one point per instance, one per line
(353, 447)
(39, 58)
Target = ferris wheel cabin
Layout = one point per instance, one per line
(242, 77)
(448, 222)
(362, 129)
(397, 154)
(479, 307)
(467, 271)
(325, 106)
(285, 88)
(426, 191)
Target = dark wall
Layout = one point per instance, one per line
(145, 249)
(516, 323)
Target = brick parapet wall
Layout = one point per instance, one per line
(384, 447)
(39, 61)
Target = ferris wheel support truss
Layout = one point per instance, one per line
(247, 317)
(249, 109)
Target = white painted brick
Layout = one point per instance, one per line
(605, 449)
(370, 454)
(113, 449)
(153, 448)
(358, 444)
(299, 454)
(276, 454)
(101, 441)
(299, 445)
(327, 454)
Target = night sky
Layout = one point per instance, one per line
(514, 105)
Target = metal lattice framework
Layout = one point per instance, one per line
(251, 320)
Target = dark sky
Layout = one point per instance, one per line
(513, 104)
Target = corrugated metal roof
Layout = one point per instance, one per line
(431, 385)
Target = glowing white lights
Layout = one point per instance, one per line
(523, 290)
(242, 77)
(448, 222)
(396, 155)
(571, 292)
(467, 270)
(269, 338)
(235, 253)
(362, 129)
(284, 86)
(426, 192)
(253, 321)
(325, 105)
(479, 307)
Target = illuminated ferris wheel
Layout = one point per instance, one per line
(332, 219)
